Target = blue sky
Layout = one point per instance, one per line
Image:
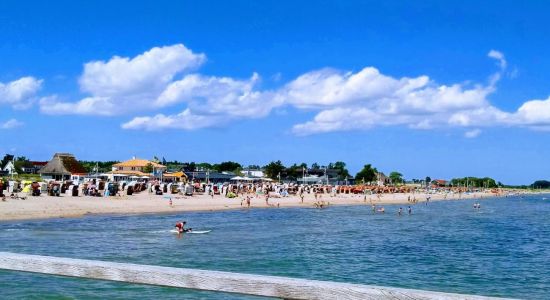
(441, 89)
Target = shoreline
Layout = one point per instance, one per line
(49, 207)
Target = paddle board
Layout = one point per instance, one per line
(192, 231)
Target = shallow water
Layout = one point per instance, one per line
(501, 250)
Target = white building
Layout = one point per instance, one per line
(10, 168)
(253, 173)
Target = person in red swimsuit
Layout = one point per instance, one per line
(180, 227)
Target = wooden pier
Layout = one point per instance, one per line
(248, 284)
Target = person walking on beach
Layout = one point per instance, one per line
(248, 202)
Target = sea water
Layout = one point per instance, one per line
(502, 249)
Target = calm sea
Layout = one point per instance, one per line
(501, 250)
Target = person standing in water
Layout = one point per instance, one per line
(400, 211)
(410, 211)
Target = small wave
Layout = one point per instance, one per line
(159, 231)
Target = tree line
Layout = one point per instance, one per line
(485, 182)
(276, 169)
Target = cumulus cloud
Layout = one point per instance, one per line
(165, 77)
(122, 85)
(10, 124)
(362, 100)
(368, 98)
(211, 101)
(185, 120)
(20, 93)
(534, 113)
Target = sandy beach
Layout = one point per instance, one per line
(65, 206)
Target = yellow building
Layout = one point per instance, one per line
(137, 165)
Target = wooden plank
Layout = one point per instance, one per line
(259, 285)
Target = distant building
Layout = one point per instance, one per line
(322, 176)
(136, 166)
(382, 179)
(211, 177)
(32, 167)
(439, 182)
(9, 168)
(62, 167)
(253, 173)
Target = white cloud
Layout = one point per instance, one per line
(143, 74)
(184, 120)
(10, 124)
(534, 113)
(214, 95)
(122, 85)
(161, 78)
(211, 101)
(362, 100)
(368, 98)
(498, 56)
(20, 93)
(472, 133)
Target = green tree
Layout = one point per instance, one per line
(273, 169)
(102, 166)
(484, 182)
(367, 174)
(20, 163)
(343, 172)
(6, 159)
(541, 184)
(228, 166)
(294, 171)
(202, 166)
(148, 168)
(396, 177)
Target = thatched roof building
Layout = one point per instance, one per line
(62, 166)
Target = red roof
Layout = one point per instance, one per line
(39, 163)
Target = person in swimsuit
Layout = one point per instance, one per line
(180, 227)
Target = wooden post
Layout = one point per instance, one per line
(258, 285)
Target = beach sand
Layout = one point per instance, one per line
(43, 207)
